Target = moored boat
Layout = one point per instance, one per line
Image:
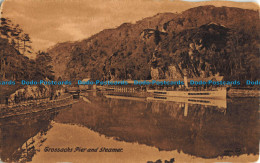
(220, 93)
(220, 103)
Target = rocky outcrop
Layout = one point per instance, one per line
(201, 44)
(30, 93)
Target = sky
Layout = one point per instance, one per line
(49, 22)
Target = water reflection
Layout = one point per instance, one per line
(199, 130)
(21, 137)
(205, 129)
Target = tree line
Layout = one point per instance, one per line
(14, 61)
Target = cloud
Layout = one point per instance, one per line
(71, 29)
(53, 21)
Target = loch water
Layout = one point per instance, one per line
(147, 129)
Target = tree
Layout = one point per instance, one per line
(15, 36)
(157, 37)
(16, 33)
(26, 40)
(43, 66)
(5, 28)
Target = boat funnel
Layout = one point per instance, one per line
(186, 81)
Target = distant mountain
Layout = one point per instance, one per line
(61, 55)
(199, 42)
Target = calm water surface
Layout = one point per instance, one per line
(147, 129)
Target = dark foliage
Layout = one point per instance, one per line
(201, 41)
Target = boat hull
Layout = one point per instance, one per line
(216, 94)
(220, 103)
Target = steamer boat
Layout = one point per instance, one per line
(204, 91)
(219, 93)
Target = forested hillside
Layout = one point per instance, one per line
(15, 46)
(15, 65)
(199, 42)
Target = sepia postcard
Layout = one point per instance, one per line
(129, 81)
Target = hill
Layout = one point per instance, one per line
(198, 42)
